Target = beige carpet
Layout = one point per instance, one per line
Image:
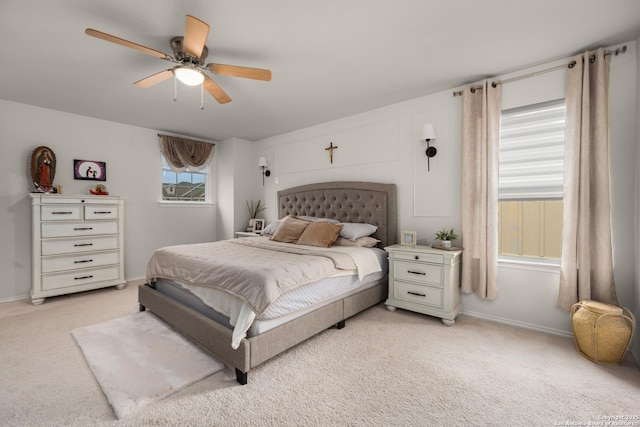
(137, 359)
(383, 369)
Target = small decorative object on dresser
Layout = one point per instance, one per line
(424, 280)
(446, 237)
(43, 169)
(78, 244)
(408, 238)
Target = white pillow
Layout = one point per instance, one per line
(271, 227)
(355, 230)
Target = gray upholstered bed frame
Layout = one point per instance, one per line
(346, 201)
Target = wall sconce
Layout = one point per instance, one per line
(428, 133)
(262, 163)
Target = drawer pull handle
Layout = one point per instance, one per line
(82, 228)
(82, 260)
(83, 244)
(421, 273)
(102, 212)
(83, 277)
(416, 294)
(61, 213)
(417, 257)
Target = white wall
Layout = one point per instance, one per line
(636, 234)
(239, 180)
(527, 294)
(133, 171)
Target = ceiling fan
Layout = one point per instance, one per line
(189, 54)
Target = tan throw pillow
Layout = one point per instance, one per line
(290, 229)
(321, 234)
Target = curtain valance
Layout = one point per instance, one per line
(183, 153)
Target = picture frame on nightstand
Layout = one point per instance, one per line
(408, 238)
(258, 226)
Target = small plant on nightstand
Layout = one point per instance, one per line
(446, 236)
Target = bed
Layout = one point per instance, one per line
(344, 201)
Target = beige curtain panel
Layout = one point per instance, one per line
(586, 265)
(183, 154)
(480, 138)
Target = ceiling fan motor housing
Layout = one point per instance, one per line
(179, 54)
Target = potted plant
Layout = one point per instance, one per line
(446, 236)
(254, 210)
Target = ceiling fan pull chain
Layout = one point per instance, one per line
(175, 89)
(202, 97)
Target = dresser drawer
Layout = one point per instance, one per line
(418, 294)
(80, 277)
(74, 262)
(71, 229)
(100, 212)
(422, 257)
(68, 246)
(418, 272)
(61, 213)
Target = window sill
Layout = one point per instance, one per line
(169, 204)
(529, 264)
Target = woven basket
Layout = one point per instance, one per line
(602, 332)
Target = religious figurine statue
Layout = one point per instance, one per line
(43, 168)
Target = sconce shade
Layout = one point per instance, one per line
(262, 163)
(428, 132)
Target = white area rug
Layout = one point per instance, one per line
(138, 359)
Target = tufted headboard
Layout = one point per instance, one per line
(346, 201)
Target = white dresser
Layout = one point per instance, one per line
(77, 244)
(425, 280)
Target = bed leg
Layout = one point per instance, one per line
(241, 377)
(142, 308)
(341, 324)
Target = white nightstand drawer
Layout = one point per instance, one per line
(60, 213)
(417, 256)
(418, 272)
(71, 229)
(64, 246)
(80, 277)
(418, 294)
(100, 212)
(74, 262)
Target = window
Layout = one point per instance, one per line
(187, 186)
(530, 181)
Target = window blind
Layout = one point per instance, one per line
(532, 152)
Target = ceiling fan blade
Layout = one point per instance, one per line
(236, 71)
(126, 43)
(215, 90)
(154, 79)
(195, 36)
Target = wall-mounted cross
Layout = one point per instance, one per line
(330, 149)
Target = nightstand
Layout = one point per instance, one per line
(240, 234)
(425, 280)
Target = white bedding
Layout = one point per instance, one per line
(236, 307)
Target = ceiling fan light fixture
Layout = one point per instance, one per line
(189, 76)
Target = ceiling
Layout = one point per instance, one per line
(329, 58)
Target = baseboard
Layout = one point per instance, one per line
(518, 324)
(130, 282)
(18, 298)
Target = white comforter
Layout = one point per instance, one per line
(254, 271)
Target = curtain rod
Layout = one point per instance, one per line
(571, 64)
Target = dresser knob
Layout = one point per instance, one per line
(417, 257)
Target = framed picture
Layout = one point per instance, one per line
(89, 170)
(258, 225)
(408, 238)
